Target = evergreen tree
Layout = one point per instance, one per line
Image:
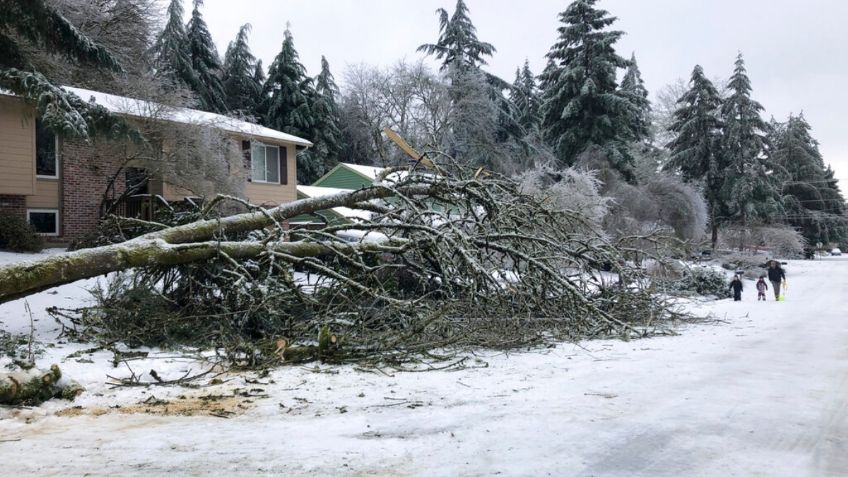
(749, 189)
(205, 63)
(171, 52)
(458, 43)
(696, 151)
(35, 24)
(582, 108)
(326, 131)
(288, 92)
(633, 88)
(240, 86)
(811, 197)
(524, 95)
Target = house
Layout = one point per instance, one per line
(59, 184)
(334, 216)
(349, 176)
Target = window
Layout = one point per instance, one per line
(46, 159)
(265, 163)
(45, 222)
(137, 181)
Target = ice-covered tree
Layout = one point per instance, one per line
(696, 149)
(240, 87)
(171, 52)
(633, 88)
(812, 199)
(36, 25)
(458, 43)
(205, 63)
(288, 93)
(749, 192)
(326, 133)
(524, 95)
(582, 106)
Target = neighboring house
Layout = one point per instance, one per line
(334, 216)
(349, 176)
(59, 184)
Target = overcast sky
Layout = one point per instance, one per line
(796, 52)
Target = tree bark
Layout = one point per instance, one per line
(35, 386)
(186, 244)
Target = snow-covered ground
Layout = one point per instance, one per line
(765, 392)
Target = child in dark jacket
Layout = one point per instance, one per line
(761, 288)
(736, 286)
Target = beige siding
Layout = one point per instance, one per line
(17, 147)
(46, 195)
(276, 194)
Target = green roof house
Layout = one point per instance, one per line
(349, 177)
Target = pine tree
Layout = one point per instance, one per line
(289, 91)
(240, 87)
(633, 88)
(582, 108)
(205, 63)
(171, 52)
(696, 151)
(326, 131)
(35, 24)
(458, 43)
(524, 95)
(811, 197)
(749, 190)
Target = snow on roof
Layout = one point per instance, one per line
(348, 213)
(367, 171)
(146, 109)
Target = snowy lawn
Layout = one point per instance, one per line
(763, 393)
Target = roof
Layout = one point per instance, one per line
(145, 109)
(346, 212)
(370, 172)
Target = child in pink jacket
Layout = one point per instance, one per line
(761, 288)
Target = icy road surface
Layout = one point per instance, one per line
(765, 393)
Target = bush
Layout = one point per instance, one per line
(700, 281)
(17, 235)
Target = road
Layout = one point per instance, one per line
(762, 393)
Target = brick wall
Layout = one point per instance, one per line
(14, 205)
(87, 170)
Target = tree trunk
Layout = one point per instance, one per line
(35, 386)
(185, 244)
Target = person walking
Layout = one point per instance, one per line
(776, 275)
(761, 288)
(736, 287)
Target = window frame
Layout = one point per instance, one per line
(253, 163)
(55, 157)
(45, 211)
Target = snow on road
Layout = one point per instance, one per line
(765, 393)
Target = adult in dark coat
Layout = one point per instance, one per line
(736, 286)
(776, 276)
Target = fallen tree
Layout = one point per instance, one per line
(449, 258)
(34, 386)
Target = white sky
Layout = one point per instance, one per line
(795, 51)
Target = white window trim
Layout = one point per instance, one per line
(55, 159)
(279, 164)
(46, 211)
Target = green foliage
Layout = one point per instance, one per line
(812, 199)
(458, 44)
(633, 88)
(205, 63)
(582, 106)
(17, 235)
(171, 52)
(700, 281)
(749, 193)
(525, 97)
(242, 88)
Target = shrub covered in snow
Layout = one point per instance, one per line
(18, 236)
